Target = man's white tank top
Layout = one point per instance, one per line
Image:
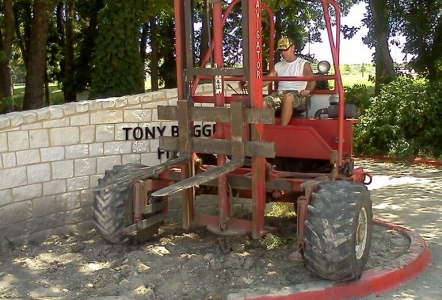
(294, 68)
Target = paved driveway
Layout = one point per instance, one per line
(411, 196)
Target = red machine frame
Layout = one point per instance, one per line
(243, 132)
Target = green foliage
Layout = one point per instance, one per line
(360, 95)
(118, 66)
(404, 120)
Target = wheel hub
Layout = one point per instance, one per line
(361, 233)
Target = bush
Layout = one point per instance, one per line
(404, 120)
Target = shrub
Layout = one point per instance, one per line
(404, 120)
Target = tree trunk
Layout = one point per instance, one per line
(35, 75)
(70, 93)
(383, 59)
(154, 61)
(205, 27)
(6, 84)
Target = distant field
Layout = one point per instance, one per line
(349, 80)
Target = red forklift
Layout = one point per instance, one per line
(309, 162)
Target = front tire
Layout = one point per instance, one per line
(113, 205)
(339, 230)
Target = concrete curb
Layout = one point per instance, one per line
(373, 281)
(416, 160)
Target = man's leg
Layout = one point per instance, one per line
(286, 108)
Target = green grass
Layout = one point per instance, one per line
(55, 95)
(352, 79)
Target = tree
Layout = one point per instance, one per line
(36, 58)
(6, 40)
(378, 20)
(363, 69)
(118, 68)
(422, 26)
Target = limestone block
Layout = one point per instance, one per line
(16, 118)
(149, 159)
(94, 179)
(158, 95)
(87, 166)
(82, 106)
(44, 206)
(56, 123)
(140, 146)
(121, 102)
(138, 115)
(39, 138)
(52, 154)
(39, 173)
(62, 169)
(15, 213)
(69, 108)
(42, 113)
(18, 140)
(27, 192)
(155, 115)
(78, 183)
(86, 198)
(28, 157)
(11, 178)
(145, 98)
(77, 151)
(95, 105)
(54, 187)
(131, 158)
(155, 104)
(9, 160)
(5, 196)
(79, 120)
(112, 148)
(53, 221)
(96, 149)
(3, 143)
(4, 122)
(107, 117)
(154, 144)
(29, 116)
(31, 126)
(68, 201)
(56, 111)
(122, 134)
(133, 100)
(107, 163)
(74, 216)
(173, 102)
(171, 93)
(104, 133)
(64, 136)
(87, 134)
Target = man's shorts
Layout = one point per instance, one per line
(274, 100)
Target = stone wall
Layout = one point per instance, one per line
(50, 158)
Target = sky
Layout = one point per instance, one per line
(352, 51)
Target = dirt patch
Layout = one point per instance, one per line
(176, 264)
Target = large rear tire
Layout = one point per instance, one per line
(113, 205)
(339, 230)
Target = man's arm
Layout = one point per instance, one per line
(272, 73)
(310, 84)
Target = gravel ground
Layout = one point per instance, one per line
(198, 264)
